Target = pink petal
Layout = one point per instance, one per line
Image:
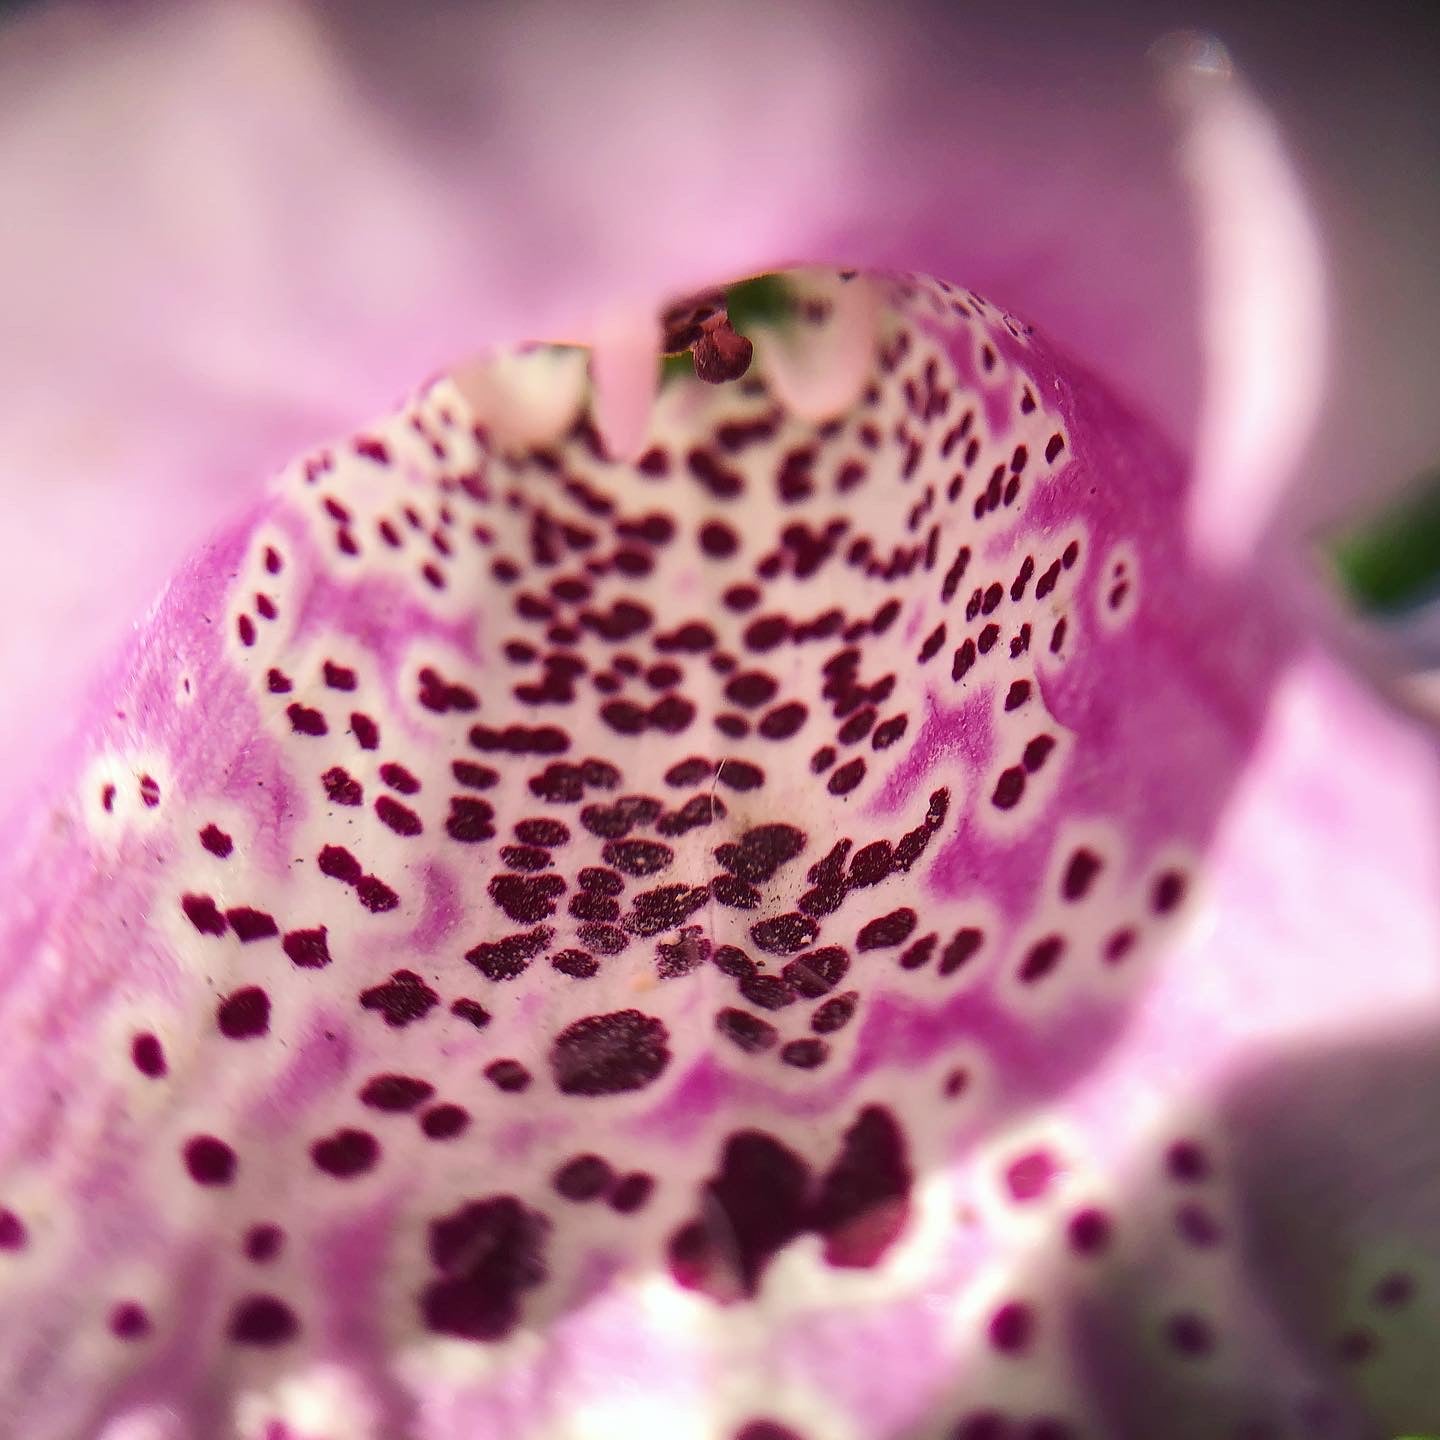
(414, 1046)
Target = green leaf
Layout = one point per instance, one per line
(1391, 561)
(765, 300)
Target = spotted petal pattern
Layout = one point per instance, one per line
(529, 912)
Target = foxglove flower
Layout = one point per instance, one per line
(825, 887)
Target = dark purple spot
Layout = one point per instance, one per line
(1190, 1334)
(609, 1054)
(606, 939)
(526, 898)
(982, 1425)
(508, 1076)
(1041, 959)
(888, 732)
(1009, 788)
(399, 818)
(783, 721)
(1354, 1347)
(917, 956)
(631, 1192)
(766, 1430)
(750, 1210)
(1168, 892)
(582, 1178)
(471, 1011)
(262, 1320)
(444, 1122)
(822, 759)
(129, 1321)
(740, 775)
(887, 930)
(209, 1160)
(395, 1093)
(487, 1253)
(721, 481)
(306, 721)
(805, 1054)
(375, 895)
(470, 819)
(510, 957)
(766, 633)
(13, 1235)
(403, 998)
(397, 777)
(1393, 1291)
(307, 948)
(338, 677)
(1187, 1162)
(637, 857)
(149, 1057)
(961, 948)
(203, 914)
(835, 1013)
(769, 992)
(1089, 1231)
(342, 787)
(1196, 1226)
(250, 925)
(751, 688)
(1037, 751)
(244, 1013)
(685, 773)
(1119, 945)
(1048, 1427)
(682, 956)
(872, 864)
(784, 934)
(857, 727)
(339, 864)
(544, 832)
(263, 1243)
(1080, 873)
(216, 841)
(1011, 1327)
(865, 1195)
(718, 540)
(477, 777)
(817, 972)
(346, 1154)
(752, 1034)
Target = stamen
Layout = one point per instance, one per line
(701, 325)
(720, 354)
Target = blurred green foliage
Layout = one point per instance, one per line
(1390, 562)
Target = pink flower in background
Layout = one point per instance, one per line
(852, 901)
